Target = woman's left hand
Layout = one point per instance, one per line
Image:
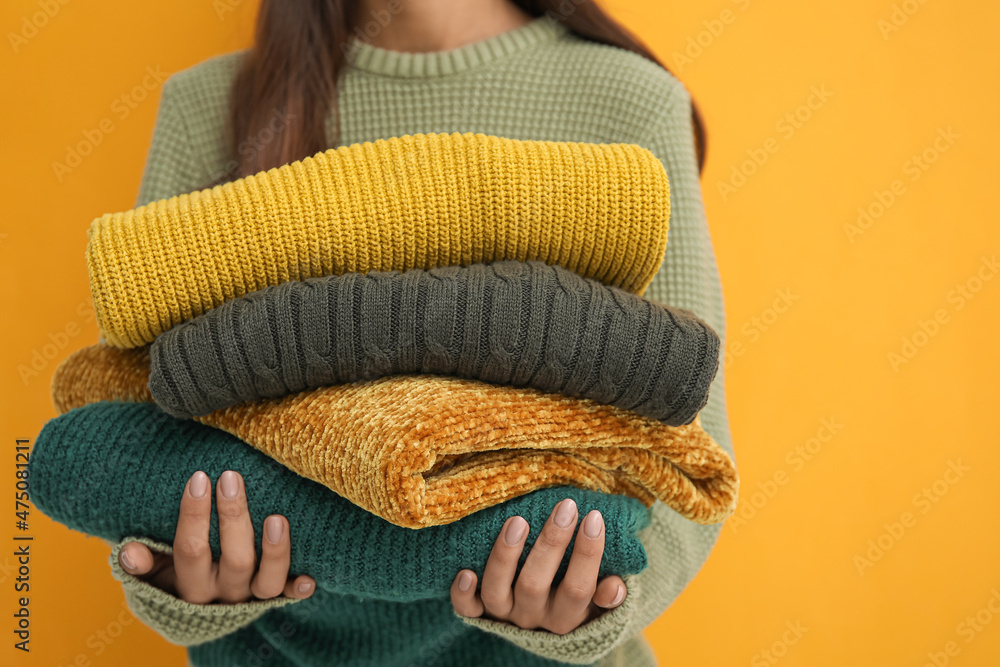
(531, 602)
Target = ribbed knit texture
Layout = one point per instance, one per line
(428, 450)
(117, 469)
(193, 624)
(372, 634)
(417, 201)
(537, 82)
(511, 323)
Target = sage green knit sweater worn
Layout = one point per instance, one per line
(539, 81)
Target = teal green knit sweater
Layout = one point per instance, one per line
(539, 81)
(118, 469)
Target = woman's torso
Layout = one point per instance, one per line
(538, 82)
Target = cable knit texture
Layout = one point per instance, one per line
(417, 201)
(119, 469)
(428, 450)
(536, 82)
(510, 323)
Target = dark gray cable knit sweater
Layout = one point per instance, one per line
(512, 323)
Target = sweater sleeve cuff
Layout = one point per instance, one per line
(178, 621)
(585, 645)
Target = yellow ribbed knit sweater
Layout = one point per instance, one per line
(416, 201)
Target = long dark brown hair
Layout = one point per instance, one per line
(286, 88)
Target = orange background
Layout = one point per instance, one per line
(789, 227)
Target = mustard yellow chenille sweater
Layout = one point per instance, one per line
(415, 201)
(424, 450)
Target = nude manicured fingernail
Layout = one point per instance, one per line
(593, 524)
(199, 485)
(305, 587)
(126, 561)
(274, 528)
(619, 596)
(565, 513)
(465, 581)
(230, 485)
(516, 528)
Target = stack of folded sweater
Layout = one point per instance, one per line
(398, 344)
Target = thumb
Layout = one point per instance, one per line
(156, 567)
(611, 592)
(136, 558)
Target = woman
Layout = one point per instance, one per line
(327, 73)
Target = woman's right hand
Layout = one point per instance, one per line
(190, 574)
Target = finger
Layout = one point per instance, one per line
(136, 558)
(611, 592)
(153, 567)
(576, 591)
(534, 583)
(193, 567)
(464, 598)
(236, 538)
(501, 567)
(300, 587)
(276, 554)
